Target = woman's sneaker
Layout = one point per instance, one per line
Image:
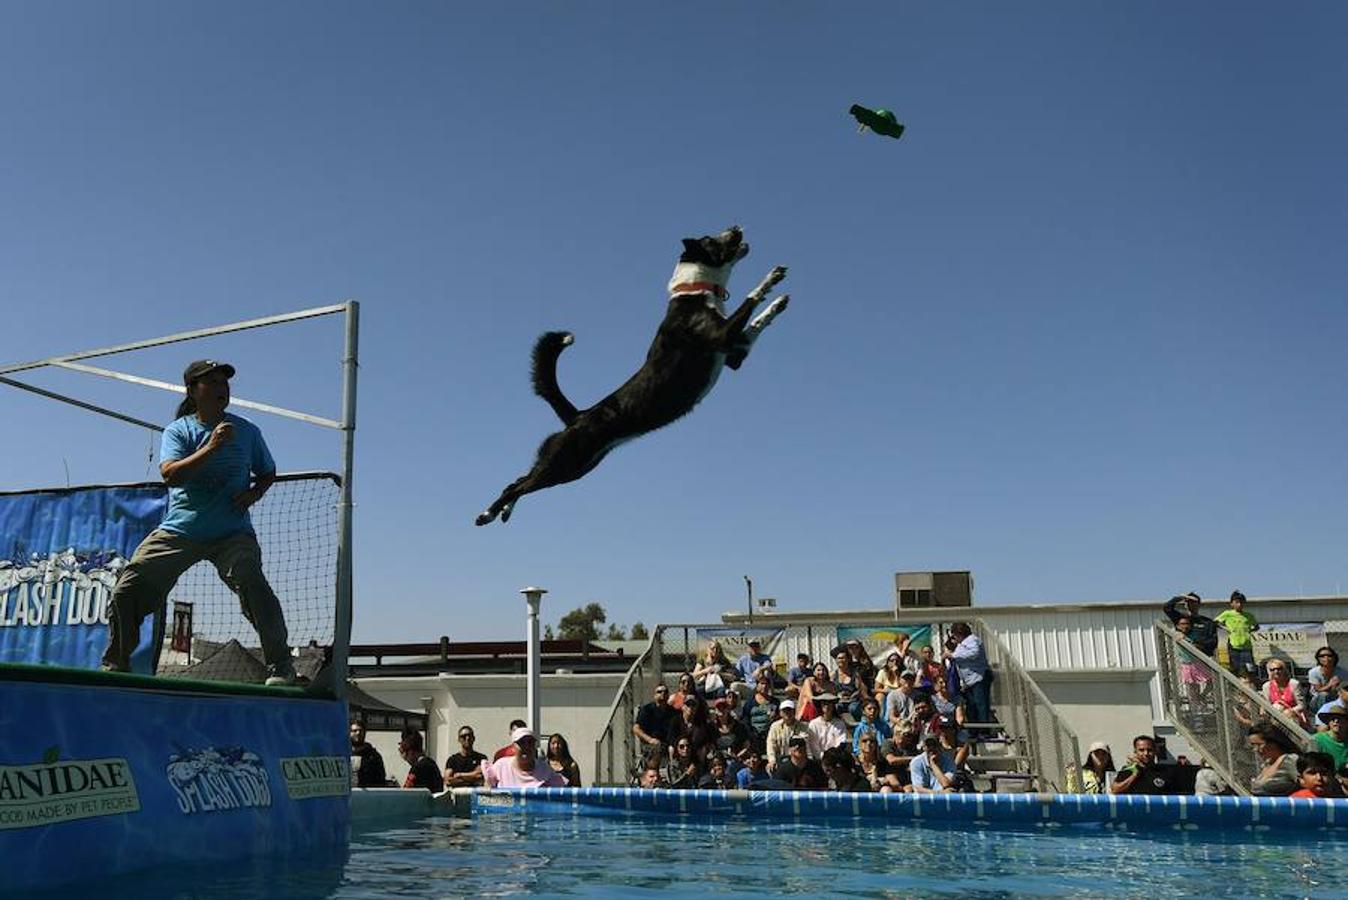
(281, 674)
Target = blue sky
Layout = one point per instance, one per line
(1081, 330)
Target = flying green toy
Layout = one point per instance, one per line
(881, 121)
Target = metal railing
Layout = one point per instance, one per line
(1027, 714)
(1214, 709)
(1049, 747)
(616, 753)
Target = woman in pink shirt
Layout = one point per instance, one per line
(1284, 691)
(524, 768)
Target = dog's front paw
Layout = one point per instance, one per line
(768, 283)
(770, 312)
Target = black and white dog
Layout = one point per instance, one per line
(694, 342)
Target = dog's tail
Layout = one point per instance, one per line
(550, 346)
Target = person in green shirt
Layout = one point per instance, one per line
(1335, 740)
(1238, 625)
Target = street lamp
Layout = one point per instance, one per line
(533, 596)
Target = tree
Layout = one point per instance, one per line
(616, 633)
(582, 624)
(639, 632)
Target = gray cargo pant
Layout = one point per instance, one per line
(158, 563)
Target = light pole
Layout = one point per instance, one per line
(749, 585)
(533, 596)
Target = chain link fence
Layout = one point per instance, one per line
(1214, 709)
(1039, 744)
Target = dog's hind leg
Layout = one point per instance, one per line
(558, 462)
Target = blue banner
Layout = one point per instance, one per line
(130, 779)
(60, 554)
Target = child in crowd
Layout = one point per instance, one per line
(717, 778)
(650, 775)
(1315, 774)
(1193, 675)
(1238, 625)
(871, 723)
(755, 768)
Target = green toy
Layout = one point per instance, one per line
(881, 121)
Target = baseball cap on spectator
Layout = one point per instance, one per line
(521, 734)
(1100, 745)
(1237, 595)
(1335, 711)
(826, 698)
(755, 642)
(787, 704)
(203, 367)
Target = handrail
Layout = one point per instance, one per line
(1213, 719)
(1052, 755)
(623, 693)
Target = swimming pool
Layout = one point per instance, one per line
(739, 856)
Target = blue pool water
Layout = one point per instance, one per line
(585, 856)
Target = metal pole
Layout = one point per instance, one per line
(533, 596)
(341, 642)
(748, 583)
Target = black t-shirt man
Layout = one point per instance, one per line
(654, 719)
(465, 762)
(1142, 774)
(1154, 779)
(809, 776)
(425, 774)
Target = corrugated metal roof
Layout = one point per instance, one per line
(1086, 637)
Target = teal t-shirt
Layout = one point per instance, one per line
(202, 509)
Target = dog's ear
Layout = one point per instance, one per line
(693, 251)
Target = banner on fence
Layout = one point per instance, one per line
(879, 640)
(735, 642)
(60, 554)
(1295, 642)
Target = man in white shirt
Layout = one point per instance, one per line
(827, 730)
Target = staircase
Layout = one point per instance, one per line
(1214, 709)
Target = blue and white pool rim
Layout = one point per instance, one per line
(1039, 810)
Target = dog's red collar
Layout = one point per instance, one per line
(700, 287)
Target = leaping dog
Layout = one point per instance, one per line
(694, 342)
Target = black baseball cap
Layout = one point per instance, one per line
(203, 367)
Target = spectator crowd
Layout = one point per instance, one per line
(906, 725)
(912, 722)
